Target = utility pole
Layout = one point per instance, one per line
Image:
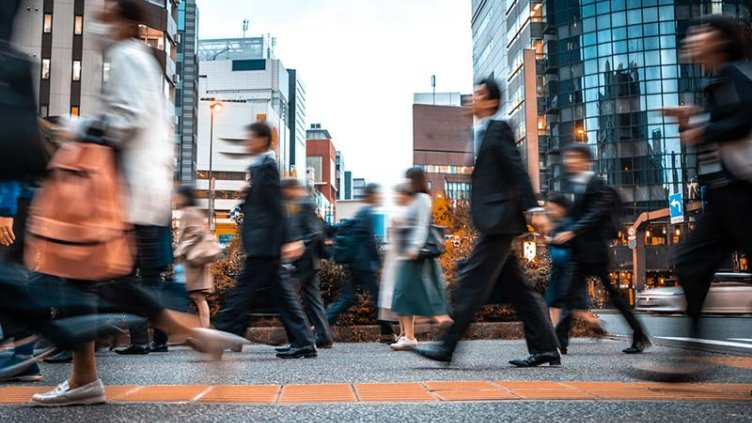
(433, 86)
(245, 26)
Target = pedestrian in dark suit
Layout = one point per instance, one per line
(501, 195)
(268, 239)
(365, 264)
(590, 214)
(308, 266)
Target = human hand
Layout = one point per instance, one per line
(681, 113)
(540, 222)
(7, 237)
(293, 251)
(413, 255)
(564, 237)
(692, 136)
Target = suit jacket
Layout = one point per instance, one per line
(367, 255)
(501, 188)
(311, 230)
(589, 213)
(266, 225)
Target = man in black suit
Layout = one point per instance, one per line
(268, 239)
(501, 196)
(307, 267)
(590, 213)
(364, 265)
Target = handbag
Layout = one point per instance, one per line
(200, 249)
(434, 246)
(736, 155)
(22, 150)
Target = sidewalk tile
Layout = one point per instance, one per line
(317, 393)
(392, 392)
(165, 393)
(529, 384)
(115, 392)
(21, 394)
(474, 395)
(552, 394)
(460, 385)
(264, 394)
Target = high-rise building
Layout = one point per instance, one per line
(186, 92)
(347, 186)
(340, 175)
(321, 156)
(243, 77)
(442, 144)
(69, 60)
(597, 72)
(297, 124)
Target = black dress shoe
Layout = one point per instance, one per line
(283, 349)
(563, 350)
(639, 344)
(60, 358)
(324, 345)
(435, 353)
(535, 360)
(158, 348)
(302, 352)
(133, 350)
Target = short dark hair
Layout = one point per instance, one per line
(560, 200)
(417, 179)
(494, 90)
(131, 10)
(371, 189)
(260, 129)
(735, 31)
(189, 192)
(290, 183)
(581, 149)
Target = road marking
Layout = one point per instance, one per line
(741, 339)
(706, 341)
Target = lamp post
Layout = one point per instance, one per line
(581, 133)
(214, 107)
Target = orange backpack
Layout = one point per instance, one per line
(77, 227)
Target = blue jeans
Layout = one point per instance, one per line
(360, 279)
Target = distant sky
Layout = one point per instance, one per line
(361, 62)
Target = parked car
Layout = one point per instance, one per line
(730, 293)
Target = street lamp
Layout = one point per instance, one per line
(214, 107)
(581, 133)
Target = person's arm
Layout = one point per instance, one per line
(509, 158)
(10, 191)
(419, 232)
(738, 123)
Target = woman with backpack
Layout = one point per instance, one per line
(419, 289)
(192, 231)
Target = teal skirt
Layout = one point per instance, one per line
(420, 290)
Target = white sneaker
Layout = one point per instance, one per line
(63, 395)
(404, 344)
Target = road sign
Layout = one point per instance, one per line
(632, 243)
(631, 231)
(676, 208)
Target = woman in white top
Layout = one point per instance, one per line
(403, 198)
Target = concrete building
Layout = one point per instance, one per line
(340, 175)
(359, 188)
(597, 72)
(321, 156)
(347, 184)
(186, 93)
(251, 85)
(442, 144)
(54, 33)
(297, 124)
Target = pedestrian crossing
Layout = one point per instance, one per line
(731, 342)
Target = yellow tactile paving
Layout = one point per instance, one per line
(433, 391)
(740, 362)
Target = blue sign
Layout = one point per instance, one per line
(676, 207)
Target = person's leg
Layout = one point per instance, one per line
(369, 282)
(530, 307)
(199, 298)
(290, 309)
(477, 279)
(233, 317)
(601, 271)
(311, 292)
(84, 369)
(344, 301)
(562, 329)
(555, 314)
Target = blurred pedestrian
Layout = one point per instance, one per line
(501, 196)
(420, 288)
(307, 267)
(270, 240)
(192, 230)
(364, 264)
(720, 132)
(588, 234)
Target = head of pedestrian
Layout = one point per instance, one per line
(417, 180)
(185, 197)
(715, 40)
(403, 194)
(117, 21)
(578, 158)
(557, 206)
(293, 189)
(373, 194)
(486, 98)
(258, 138)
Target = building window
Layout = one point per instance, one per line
(47, 26)
(74, 112)
(106, 71)
(78, 25)
(44, 110)
(76, 70)
(45, 68)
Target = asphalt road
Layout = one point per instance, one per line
(720, 333)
